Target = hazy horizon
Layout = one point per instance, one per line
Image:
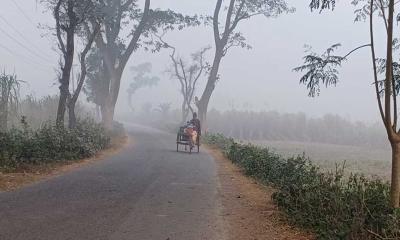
(256, 79)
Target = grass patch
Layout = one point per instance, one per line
(370, 161)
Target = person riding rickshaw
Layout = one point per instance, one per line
(193, 130)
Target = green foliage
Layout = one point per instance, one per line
(120, 15)
(322, 4)
(25, 146)
(320, 69)
(141, 80)
(219, 141)
(332, 205)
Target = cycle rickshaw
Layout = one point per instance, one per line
(183, 138)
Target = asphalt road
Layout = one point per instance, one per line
(147, 191)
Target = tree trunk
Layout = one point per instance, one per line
(62, 103)
(185, 112)
(74, 98)
(212, 79)
(65, 78)
(395, 186)
(107, 115)
(108, 109)
(202, 107)
(71, 115)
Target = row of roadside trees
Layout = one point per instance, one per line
(113, 30)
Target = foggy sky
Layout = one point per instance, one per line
(257, 79)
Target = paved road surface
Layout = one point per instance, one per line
(146, 192)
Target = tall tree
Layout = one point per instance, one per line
(322, 69)
(88, 36)
(226, 35)
(69, 18)
(115, 49)
(188, 75)
(141, 80)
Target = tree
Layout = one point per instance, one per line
(188, 75)
(115, 49)
(226, 36)
(9, 96)
(164, 109)
(322, 69)
(141, 80)
(73, 98)
(70, 17)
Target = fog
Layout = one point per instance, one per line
(256, 79)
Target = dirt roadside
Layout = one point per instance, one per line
(247, 208)
(32, 174)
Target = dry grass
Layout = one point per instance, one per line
(31, 174)
(367, 160)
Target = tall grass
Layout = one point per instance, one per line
(39, 111)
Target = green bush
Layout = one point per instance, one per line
(332, 205)
(22, 146)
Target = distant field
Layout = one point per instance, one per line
(370, 161)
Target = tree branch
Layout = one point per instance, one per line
(372, 45)
(389, 69)
(355, 49)
(228, 20)
(82, 77)
(58, 27)
(217, 36)
(238, 18)
(383, 14)
(135, 38)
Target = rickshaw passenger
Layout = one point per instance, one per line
(193, 129)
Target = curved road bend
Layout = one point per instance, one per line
(145, 192)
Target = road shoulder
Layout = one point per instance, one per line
(248, 211)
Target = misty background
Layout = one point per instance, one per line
(260, 79)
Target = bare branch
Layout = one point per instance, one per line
(136, 35)
(89, 44)
(58, 27)
(217, 36)
(355, 49)
(378, 97)
(229, 14)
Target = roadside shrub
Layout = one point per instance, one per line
(21, 146)
(219, 141)
(332, 205)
